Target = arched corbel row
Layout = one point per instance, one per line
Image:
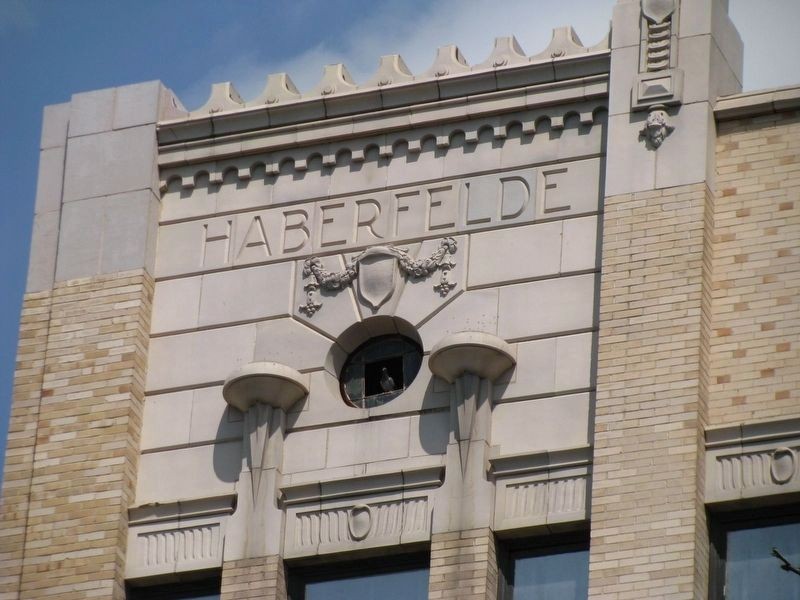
(350, 152)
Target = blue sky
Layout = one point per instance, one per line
(52, 49)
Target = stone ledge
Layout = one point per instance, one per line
(761, 102)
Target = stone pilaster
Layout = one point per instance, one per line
(263, 578)
(463, 565)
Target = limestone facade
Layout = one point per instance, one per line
(594, 250)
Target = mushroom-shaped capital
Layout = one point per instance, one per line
(271, 383)
(483, 354)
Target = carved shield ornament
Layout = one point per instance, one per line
(377, 274)
(658, 10)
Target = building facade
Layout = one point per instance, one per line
(528, 328)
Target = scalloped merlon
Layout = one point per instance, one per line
(279, 88)
(223, 97)
(507, 51)
(565, 42)
(449, 61)
(392, 69)
(335, 80)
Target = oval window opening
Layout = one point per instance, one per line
(380, 370)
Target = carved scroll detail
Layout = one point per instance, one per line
(320, 278)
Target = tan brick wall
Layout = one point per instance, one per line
(648, 537)
(463, 565)
(83, 438)
(26, 397)
(262, 578)
(755, 331)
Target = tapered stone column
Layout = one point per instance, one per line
(463, 560)
(264, 392)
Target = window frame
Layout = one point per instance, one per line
(351, 358)
(511, 549)
(721, 523)
(299, 575)
(176, 590)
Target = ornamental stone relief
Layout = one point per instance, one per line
(376, 270)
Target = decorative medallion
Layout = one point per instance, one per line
(359, 521)
(376, 270)
(783, 465)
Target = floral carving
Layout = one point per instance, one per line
(440, 260)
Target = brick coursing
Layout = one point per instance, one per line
(262, 578)
(463, 565)
(648, 537)
(754, 370)
(75, 429)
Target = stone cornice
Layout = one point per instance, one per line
(313, 120)
(390, 123)
(760, 102)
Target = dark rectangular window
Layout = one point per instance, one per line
(202, 589)
(384, 578)
(546, 569)
(743, 565)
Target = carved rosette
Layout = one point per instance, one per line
(375, 270)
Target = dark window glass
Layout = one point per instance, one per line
(743, 566)
(548, 572)
(380, 370)
(387, 578)
(205, 589)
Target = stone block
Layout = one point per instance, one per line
(246, 294)
(305, 451)
(44, 248)
(195, 472)
(568, 189)
(475, 310)
(80, 241)
(111, 162)
(509, 255)
(557, 306)
(368, 442)
(49, 182)
(579, 249)
(534, 374)
(200, 357)
(91, 112)
(625, 28)
(625, 66)
(574, 362)
(211, 417)
(630, 166)
(129, 232)
(288, 342)
(166, 420)
(429, 433)
(137, 104)
(686, 156)
(55, 122)
(541, 424)
(176, 305)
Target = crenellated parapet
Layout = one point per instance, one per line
(393, 72)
